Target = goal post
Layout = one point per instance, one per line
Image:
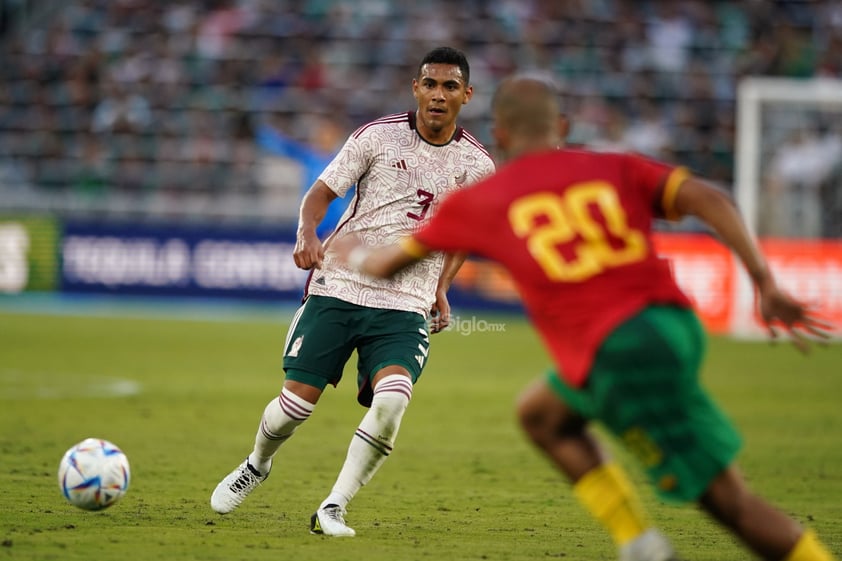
(753, 95)
(788, 185)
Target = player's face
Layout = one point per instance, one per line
(440, 91)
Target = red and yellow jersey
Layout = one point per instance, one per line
(574, 230)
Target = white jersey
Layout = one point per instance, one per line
(400, 179)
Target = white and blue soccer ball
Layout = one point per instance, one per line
(94, 474)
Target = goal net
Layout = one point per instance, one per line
(789, 156)
(789, 188)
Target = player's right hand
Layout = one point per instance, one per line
(309, 251)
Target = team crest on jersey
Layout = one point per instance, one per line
(460, 179)
(296, 346)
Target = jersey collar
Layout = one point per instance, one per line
(457, 134)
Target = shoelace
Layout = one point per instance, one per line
(244, 481)
(335, 514)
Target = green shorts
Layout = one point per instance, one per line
(644, 387)
(325, 332)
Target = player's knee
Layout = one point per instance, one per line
(570, 425)
(527, 408)
(393, 393)
(727, 497)
(542, 415)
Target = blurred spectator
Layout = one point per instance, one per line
(669, 34)
(647, 132)
(797, 54)
(610, 136)
(130, 174)
(243, 157)
(120, 111)
(325, 138)
(91, 177)
(798, 171)
(218, 28)
(654, 76)
(830, 63)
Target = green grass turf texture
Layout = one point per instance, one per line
(462, 483)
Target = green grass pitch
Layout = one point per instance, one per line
(182, 397)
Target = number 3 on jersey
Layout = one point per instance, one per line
(425, 199)
(547, 220)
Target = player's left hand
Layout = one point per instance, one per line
(440, 313)
(798, 319)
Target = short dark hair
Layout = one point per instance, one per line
(447, 55)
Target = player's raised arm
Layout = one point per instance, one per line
(717, 209)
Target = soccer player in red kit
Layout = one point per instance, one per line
(574, 230)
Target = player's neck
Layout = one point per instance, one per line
(441, 136)
(522, 147)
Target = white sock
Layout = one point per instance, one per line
(279, 421)
(374, 438)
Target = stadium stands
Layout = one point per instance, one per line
(148, 108)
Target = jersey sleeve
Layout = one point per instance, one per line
(484, 169)
(351, 163)
(658, 182)
(452, 228)
(671, 185)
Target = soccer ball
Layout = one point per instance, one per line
(93, 474)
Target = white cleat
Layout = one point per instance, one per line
(651, 545)
(236, 486)
(330, 521)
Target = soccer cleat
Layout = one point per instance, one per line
(330, 521)
(236, 486)
(651, 545)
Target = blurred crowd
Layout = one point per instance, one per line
(162, 101)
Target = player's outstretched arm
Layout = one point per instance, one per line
(383, 262)
(716, 208)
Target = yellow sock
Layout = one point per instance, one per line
(609, 496)
(809, 548)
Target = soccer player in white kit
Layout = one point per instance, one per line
(403, 165)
